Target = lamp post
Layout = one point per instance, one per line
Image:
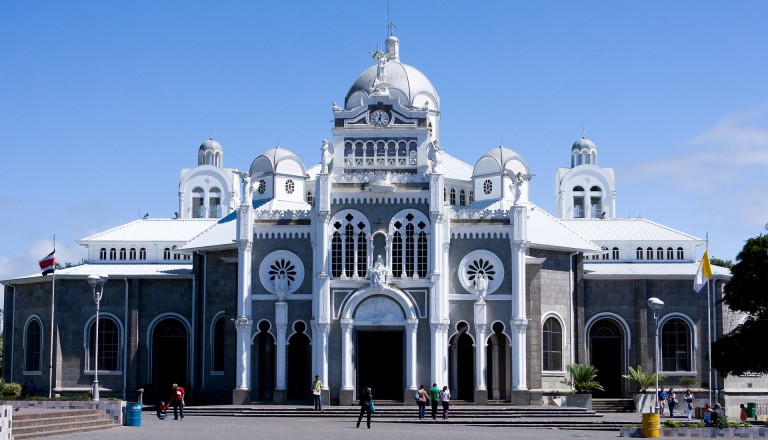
(656, 305)
(97, 285)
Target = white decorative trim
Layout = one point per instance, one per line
(478, 214)
(285, 262)
(479, 232)
(371, 176)
(287, 214)
(379, 310)
(481, 261)
(352, 199)
(278, 232)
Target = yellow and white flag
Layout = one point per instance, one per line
(704, 273)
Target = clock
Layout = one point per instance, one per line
(379, 118)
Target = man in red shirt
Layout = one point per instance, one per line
(177, 400)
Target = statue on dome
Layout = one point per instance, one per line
(336, 107)
(381, 70)
(378, 272)
(481, 287)
(246, 178)
(326, 156)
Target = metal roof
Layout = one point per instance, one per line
(626, 229)
(222, 234)
(152, 230)
(545, 231)
(171, 270)
(632, 270)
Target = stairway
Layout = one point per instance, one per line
(614, 405)
(34, 424)
(396, 412)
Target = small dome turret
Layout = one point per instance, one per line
(583, 152)
(210, 153)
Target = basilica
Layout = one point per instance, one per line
(387, 264)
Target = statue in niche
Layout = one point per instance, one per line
(378, 273)
(435, 156)
(481, 286)
(326, 156)
(281, 286)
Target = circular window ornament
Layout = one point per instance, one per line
(281, 271)
(262, 186)
(289, 186)
(481, 264)
(487, 186)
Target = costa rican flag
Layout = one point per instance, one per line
(48, 264)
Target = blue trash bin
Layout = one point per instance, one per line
(133, 414)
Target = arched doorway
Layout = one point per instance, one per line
(462, 362)
(498, 359)
(606, 353)
(263, 363)
(299, 363)
(169, 356)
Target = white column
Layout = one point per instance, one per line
(346, 359)
(519, 327)
(480, 358)
(281, 324)
(244, 320)
(519, 321)
(320, 283)
(410, 353)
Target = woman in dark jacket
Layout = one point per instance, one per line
(365, 406)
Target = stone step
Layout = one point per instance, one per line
(57, 422)
(613, 405)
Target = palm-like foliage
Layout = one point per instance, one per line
(583, 378)
(642, 379)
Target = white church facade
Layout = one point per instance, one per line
(388, 264)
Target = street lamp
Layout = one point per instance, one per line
(656, 305)
(97, 284)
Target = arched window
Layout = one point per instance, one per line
(33, 345)
(639, 253)
(680, 253)
(463, 198)
(453, 196)
(109, 345)
(310, 198)
(217, 345)
(660, 253)
(103, 254)
(214, 203)
(142, 254)
(445, 195)
(649, 253)
(675, 345)
(410, 244)
(471, 196)
(167, 254)
(122, 253)
(670, 253)
(615, 253)
(552, 345)
(132, 253)
(198, 209)
(349, 245)
(113, 254)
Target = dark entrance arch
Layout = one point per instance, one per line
(299, 363)
(606, 353)
(497, 357)
(169, 356)
(462, 362)
(380, 364)
(263, 364)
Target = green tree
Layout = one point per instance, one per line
(745, 349)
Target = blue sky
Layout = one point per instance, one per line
(103, 102)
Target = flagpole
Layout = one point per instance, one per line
(709, 326)
(53, 302)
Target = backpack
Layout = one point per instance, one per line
(416, 396)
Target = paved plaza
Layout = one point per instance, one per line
(193, 428)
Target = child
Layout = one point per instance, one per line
(162, 411)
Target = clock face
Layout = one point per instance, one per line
(379, 118)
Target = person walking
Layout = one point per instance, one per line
(743, 413)
(445, 398)
(671, 401)
(434, 396)
(317, 387)
(177, 400)
(422, 401)
(688, 403)
(662, 400)
(365, 406)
